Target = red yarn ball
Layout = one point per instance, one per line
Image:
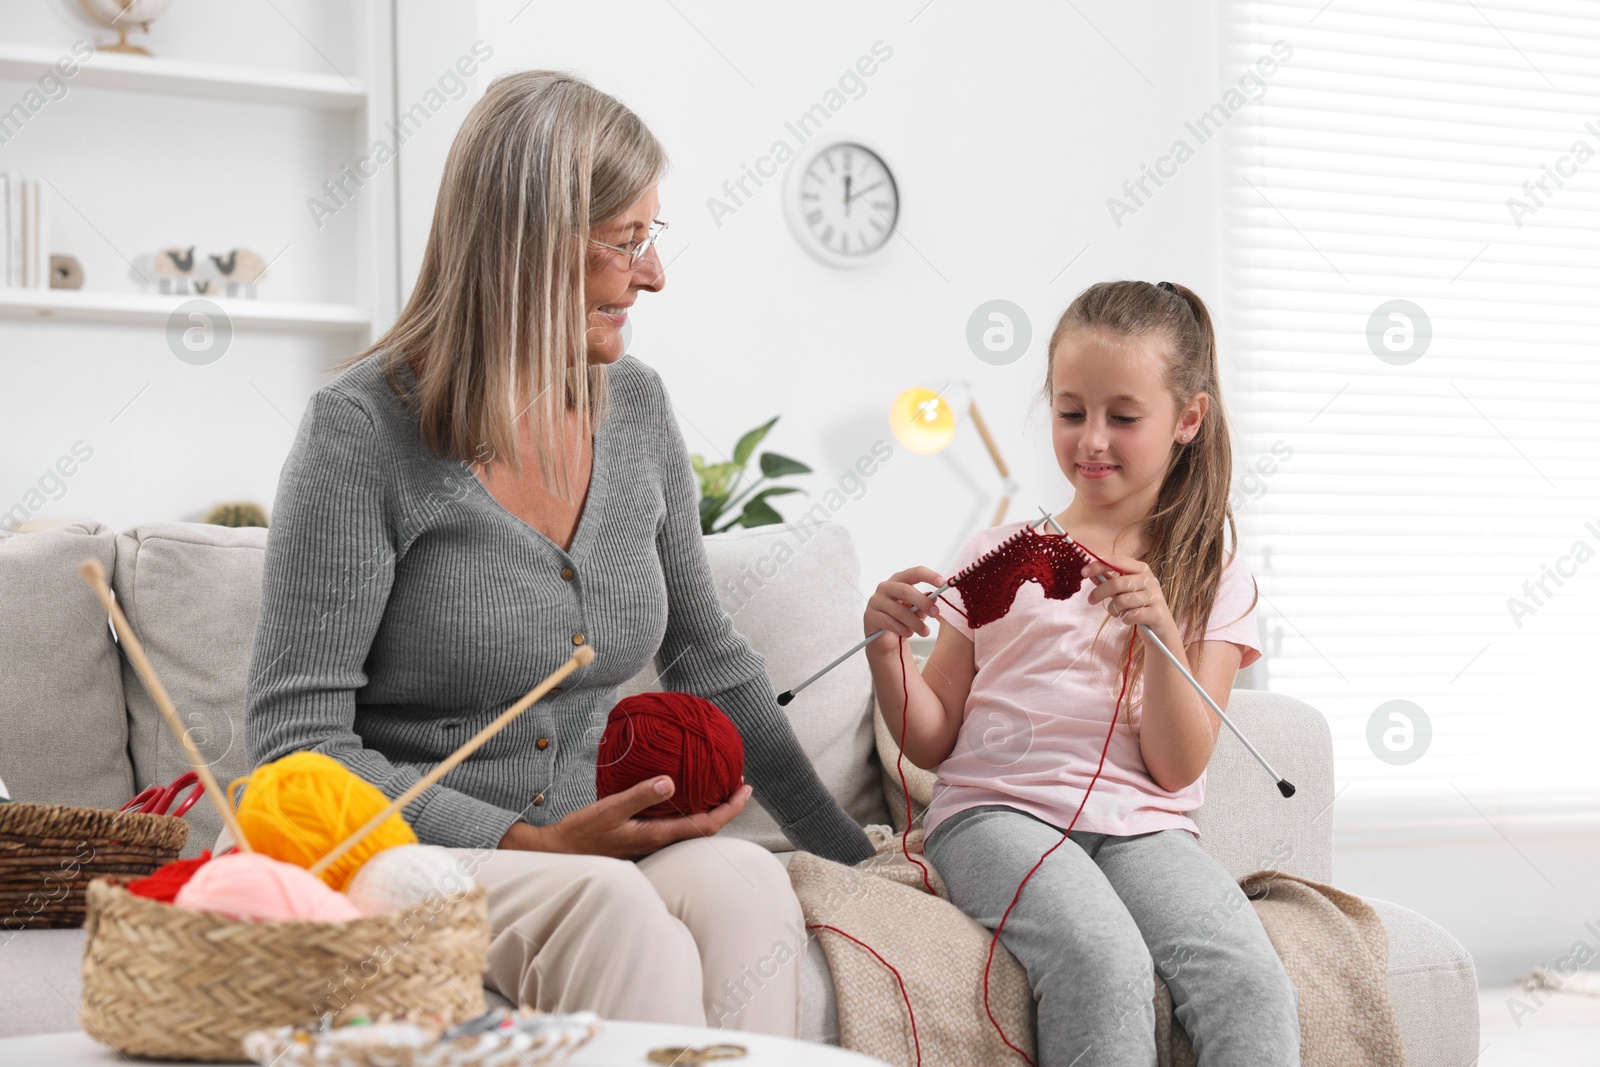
(680, 735)
(164, 883)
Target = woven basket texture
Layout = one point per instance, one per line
(167, 982)
(50, 852)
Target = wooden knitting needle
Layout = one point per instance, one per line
(581, 657)
(95, 575)
(1284, 785)
(788, 695)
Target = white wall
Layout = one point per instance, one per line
(1006, 128)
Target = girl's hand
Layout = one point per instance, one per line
(1133, 597)
(898, 607)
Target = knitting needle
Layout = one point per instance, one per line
(581, 657)
(95, 575)
(1284, 786)
(788, 695)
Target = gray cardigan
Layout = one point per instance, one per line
(403, 608)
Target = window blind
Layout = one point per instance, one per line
(1412, 220)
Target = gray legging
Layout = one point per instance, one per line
(1100, 918)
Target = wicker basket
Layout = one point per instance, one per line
(167, 982)
(48, 854)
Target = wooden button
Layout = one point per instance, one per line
(544, 742)
(577, 639)
(538, 798)
(566, 574)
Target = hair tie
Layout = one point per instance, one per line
(1168, 286)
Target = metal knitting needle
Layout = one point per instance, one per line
(788, 695)
(1284, 785)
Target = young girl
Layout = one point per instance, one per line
(1015, 715)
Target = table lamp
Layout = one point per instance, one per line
(925, 422)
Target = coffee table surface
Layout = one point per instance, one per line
(620, 1044)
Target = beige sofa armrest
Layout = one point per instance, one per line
(1245, 823)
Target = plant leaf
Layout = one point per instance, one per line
(747, 444)
(775, 466)
(717, 479)
(777, 490)
(759, 513)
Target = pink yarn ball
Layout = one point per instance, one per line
(248, 885)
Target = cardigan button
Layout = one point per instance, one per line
(554, 690)
(543, 742)
(577, 639)
(538, 798)
(566, 574)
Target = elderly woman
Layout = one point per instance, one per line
(489, 485)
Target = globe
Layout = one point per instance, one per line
(121, 14)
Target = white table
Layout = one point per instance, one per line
(620, 1044)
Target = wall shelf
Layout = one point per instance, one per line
(138, 309)
(174, 77)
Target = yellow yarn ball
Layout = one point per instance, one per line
(296, 809)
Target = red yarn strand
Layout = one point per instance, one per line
(916, 1043)
(953, 605)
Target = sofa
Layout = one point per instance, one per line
(80, 728)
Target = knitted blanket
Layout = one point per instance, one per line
(1332, 945)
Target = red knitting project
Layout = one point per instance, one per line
(989, 586)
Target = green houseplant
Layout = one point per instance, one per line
(720, 484)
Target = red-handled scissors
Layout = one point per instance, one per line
(157, 800)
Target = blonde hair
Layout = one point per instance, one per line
(1183, 534)
(496, 320)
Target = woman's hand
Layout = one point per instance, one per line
(608, 827)
(899, 607)
(1133, 597)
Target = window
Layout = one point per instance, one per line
(1413, 231)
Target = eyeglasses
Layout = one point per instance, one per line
(636, 253)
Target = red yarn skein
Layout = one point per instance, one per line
(680, 735)
(164, 884)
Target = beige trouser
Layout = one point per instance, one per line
(703, 932)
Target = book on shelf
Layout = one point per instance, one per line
(26, 231)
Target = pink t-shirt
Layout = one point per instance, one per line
(1040, 704)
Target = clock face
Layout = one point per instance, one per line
(843, 204)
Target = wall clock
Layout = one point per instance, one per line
(842, 203)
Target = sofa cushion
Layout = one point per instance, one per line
(791, 590)
(192, 593)
(65, 732)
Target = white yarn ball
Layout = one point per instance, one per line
(404, 876)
